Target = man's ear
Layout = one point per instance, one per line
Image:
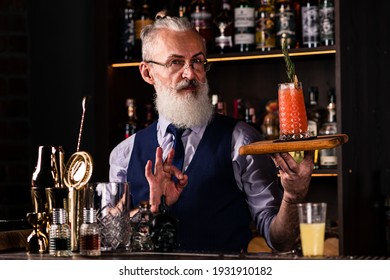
(146, 74)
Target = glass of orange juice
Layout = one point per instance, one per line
(312, 218)
(292, 112)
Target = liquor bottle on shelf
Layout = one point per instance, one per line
(244, 26)
(316, 115)
(270, 125)
(128, 30)
(143, 17)
(326, 15)
(265, 26)
(182, 9)
(214, 101)
(285, 24)
(149, 115)
(296, 4)
(310, 24)
(202, 19)
(132, 125)
(250, 117)
(239, 109)
(221, 108)
(223, 40)
(328, 157)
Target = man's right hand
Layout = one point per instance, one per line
(161, 182)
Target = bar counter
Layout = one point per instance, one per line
(22, 255)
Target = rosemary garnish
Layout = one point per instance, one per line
(290, 67)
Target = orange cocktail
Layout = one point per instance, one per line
(292, 112)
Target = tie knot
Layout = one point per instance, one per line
(177, 132)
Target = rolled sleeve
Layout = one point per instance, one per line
(119, 160)
(256, 176)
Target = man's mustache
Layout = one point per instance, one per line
(187, 83)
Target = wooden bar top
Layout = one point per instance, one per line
(22, 255)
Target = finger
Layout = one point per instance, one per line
(308, 155)
(183, 182)
(159, 161)
(148, 170)
(279, 161)
(170, 156)
(176, 172)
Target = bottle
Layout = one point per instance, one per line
(327, 29)
(149, 115)
(143, 18)
(270, 125)
(59, 236)
(239, 109)
(285, 24)
(316, 115)
(202, 20)
(250, 116)
(214, 101)
(183, 9)
(221, 108)
(141, 239)
(163, 229)
(223, 40)
(131, 126)
(265, 26)
(89, 234)
(296, 4)
(244, 26)
(328, 157)
(310, 24)
(128, 30)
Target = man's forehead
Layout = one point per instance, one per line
(179, 43)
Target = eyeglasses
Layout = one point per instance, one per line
(176, 65)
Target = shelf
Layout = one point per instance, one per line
(250, 55)
(324, 173)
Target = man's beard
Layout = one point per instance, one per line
(184, 110)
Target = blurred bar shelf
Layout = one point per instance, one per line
(276, 53)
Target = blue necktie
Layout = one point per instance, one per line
(178, 160)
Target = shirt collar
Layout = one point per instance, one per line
(163, 123)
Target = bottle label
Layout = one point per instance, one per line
(285, 27)
(201, 20)
(244, 17)
(328, 161)
(312, 127)
(310, 25)
(326, 15)
(223, 41)
(265, 26)
(244, 23)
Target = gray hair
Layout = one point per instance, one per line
(149, 33)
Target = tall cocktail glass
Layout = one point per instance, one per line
(292, 112)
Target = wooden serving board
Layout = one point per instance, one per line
(272, 146)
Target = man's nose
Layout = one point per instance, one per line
(188, 71)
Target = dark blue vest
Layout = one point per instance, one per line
(212, 211)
